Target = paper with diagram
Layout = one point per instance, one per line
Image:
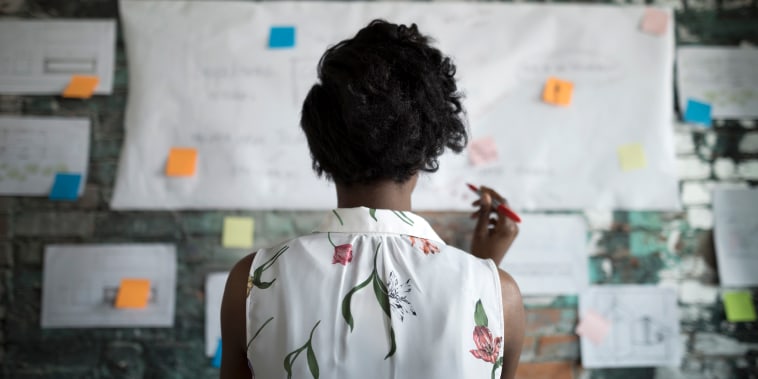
(549, 257)
(225, 92)
(644, 326)
(39, 57)
(34, 149)
(80, 284)
(214, 293)
(735, 230)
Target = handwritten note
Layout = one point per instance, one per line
(133, 293)
(655, 21)
(632, 157)
(281, 37)
(557, 92)
(739, 306)
(81, 86)
(593, 326)
(482, 151)
(65, 187)
(182, 161)
(735, 235)
(238, 232)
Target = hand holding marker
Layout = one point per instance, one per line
(501, 208)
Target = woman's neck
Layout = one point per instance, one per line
(385, 194)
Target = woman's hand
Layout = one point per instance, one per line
(494, 232)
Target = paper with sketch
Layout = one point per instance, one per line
(644, 326)
(39, 57)
(549, 257)
(225, 92)
(735, 229)
(214, 293)
(725, 77)
(81, 282)
(34, 149)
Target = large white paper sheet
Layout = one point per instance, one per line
(549, 257)
(214, 293)
(725, 77)
(201, 76)
(39, 57)
(644, 327)
(80, 283)
(34, 149)
(736, 236)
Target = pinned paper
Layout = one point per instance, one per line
(81, 86)
(655, 21)
(182, 161)
(698, 112)
(133, 293)
(557, 91)
(482, 150)
(238, 232)
(65, 187)
(632, 157)
(594, 327)
(216, 362)
(281, 37)
(739, 306)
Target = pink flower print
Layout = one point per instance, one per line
(426, 246)
(487, 349)
(343, 254)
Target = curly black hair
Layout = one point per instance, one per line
(386, 107)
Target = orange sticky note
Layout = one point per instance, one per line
(182, 161)
(81, 86)
(557, 91)
(133, 293)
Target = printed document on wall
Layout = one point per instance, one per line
(735, 232)
(549, 257)
(214, 293)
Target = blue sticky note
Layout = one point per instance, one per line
(281, 37)
(216, 362)
(65, 187)
(698, 112)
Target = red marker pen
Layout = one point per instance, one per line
(502, 208)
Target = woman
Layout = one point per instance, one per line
(374, 292)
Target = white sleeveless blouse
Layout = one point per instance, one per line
(373, 294)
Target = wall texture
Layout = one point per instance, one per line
(673, 249)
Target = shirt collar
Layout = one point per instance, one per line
(370, 220)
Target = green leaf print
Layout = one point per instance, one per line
(349, 297)
(393, 347)
(372, 213)
(380, 290)
(338, 216)
(403, 217)
(480, 318)
(312, 362)
(258, 332)
(265, 266)
(289, 360)
(496, 366)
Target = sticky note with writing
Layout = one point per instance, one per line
(698, 112)
(216, 362)
(81, 86)
(182, 161)
(281, 37)
(65, 186)
(654, 21)
(133, 293)
(482, 151)
(238, 232)
(557, 91)
(632, 157)
(739, 306)
(593, 326)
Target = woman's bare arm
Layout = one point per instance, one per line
(515, 323)
(233, 323)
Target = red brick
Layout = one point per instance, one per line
(560, 346)
(545, 370)
(539, 319)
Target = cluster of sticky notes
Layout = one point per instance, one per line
(133, 293)
(632, 157)
(557, 91)
(65, 186)
(654, 21)
(216, 362)
(238, 232)
(698, 112)
(482, 151)
(281, 37)
(81, 87)
(182, 161)
(593, 326)
(739, 306)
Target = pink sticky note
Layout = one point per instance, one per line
(593, 326)
(655, 21)
(482, 151)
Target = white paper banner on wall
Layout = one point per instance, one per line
(201, 76)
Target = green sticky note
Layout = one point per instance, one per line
(739, 306)
(238, 232)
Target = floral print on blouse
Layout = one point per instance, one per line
(373, 291)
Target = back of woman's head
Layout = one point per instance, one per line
(385, 108)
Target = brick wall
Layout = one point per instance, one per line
(673, 249)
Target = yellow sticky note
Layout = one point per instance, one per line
(632, 157)
(81, 86)
(557, 92)
(739, 306)
(182, 161)
(133, 293)
(238, 232)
